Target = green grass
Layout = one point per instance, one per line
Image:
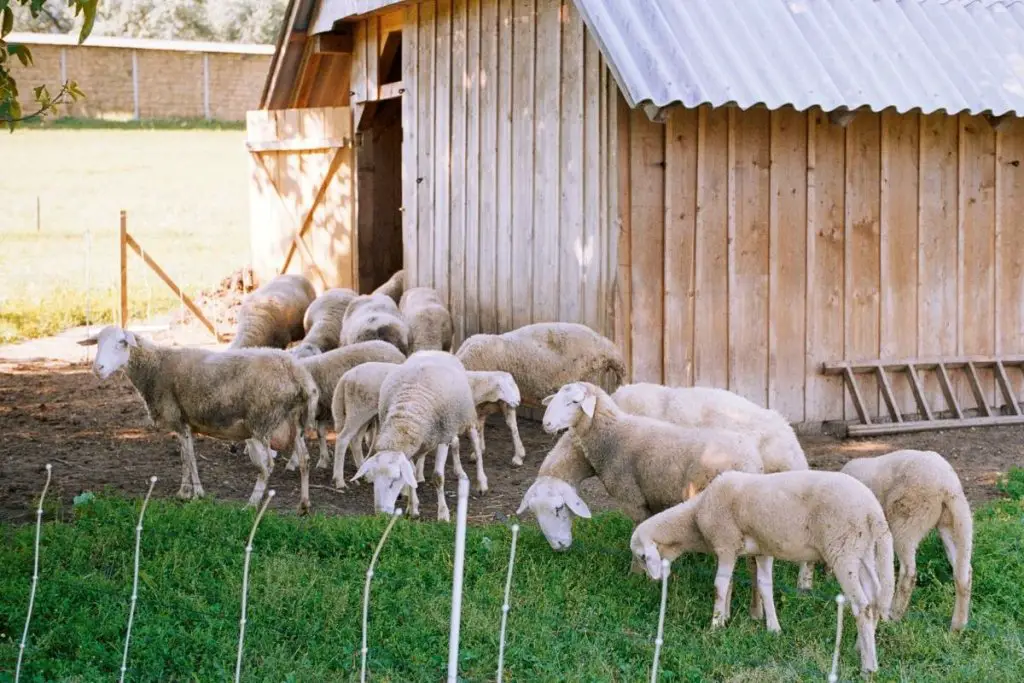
(186, 194)
(73, 123)
(576, 616)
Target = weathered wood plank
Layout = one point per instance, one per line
(920, 399)
(926, 426)
(410, 145)
(489, 114)
(620, 197)
(443, 149)
(503, 235)
(573, 250)
(359, 66)
(711, 302)
(372, 55)
(425, 134)
(523, 151)
(952, 404)
(825, 244)
(787, 285)
(680, 235)
(474, 256)
(1010, 241)
(749, 204)
(885, 388)
(591, 290)
(456, 256)
(546, 219)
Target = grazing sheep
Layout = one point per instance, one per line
(261, 395)
(322, 322)
(920, 491)
(495, 390)
(707, 407)
(375, 316)
(800, 516)
(430, 323)
(394, 287)
(552, 497)
(272, 315)
(544, 356)
(425, 404)
(354, 408)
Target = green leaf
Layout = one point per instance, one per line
(8, 22)
(83, 498)
(22, 52)
(89, 12)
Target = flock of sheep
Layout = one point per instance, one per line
(699, 470)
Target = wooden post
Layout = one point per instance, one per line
(124, 268)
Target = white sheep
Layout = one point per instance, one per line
(272, 315)
(553, 496)
(425, 404)
(493, 391)
(394, 287)
(261, 395)
(544, 356)
(709, 407)
(322, 322)
(430, 323)
(920, 491)
(375, 316)
(800, 516)
(354, 408)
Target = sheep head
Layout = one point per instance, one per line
(305, 350)
(554, 501)
(647, 552)
(564, 407)
(390, 472)
(113, 349)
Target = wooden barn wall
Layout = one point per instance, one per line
(505, 114)
(757, 245)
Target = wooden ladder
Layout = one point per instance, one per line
(986, 415)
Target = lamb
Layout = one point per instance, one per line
(425, 404)
(430, 323)
(272, 315)
(544, 356)
(261, 395)
(495, 390)
(707, 407)
(322, 322)
(394, 287)
(354, 408)
(920, 491)
(801, 516)
(375, 316)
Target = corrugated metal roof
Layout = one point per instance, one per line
(951, 55)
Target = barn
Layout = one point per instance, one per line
(815, 204)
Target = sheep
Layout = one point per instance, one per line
(272, 315)
(425, 404)
(375, 316)
(920, 491)
(261, 395)
(708, 407)
(430, 323)
(354, 408)
(552, 497)
(394, 287)
(495, 390)
(322, 322)
(800, 516)
(544, 356)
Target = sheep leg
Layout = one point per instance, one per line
(303, 453)
(321, 435)
(756, 604)
(419, 466)
(478, 450)
(805, 577)
(849, 578)
(259, 454)
(960, 561)
(764, 589)
(513, 426)
(414, 501)
(346, 436)
(723, 584)
(190, 485)
(439, 463)
(481, 424)
(906, 551)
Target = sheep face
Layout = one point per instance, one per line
(390, 472)
(563, 408)
(554, 502)
(647, 551)
(305, 350)
(113, 350)
(508, 390)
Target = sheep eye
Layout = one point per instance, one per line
(123, 343)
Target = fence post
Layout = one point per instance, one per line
(366, 590)
(124, 268)
(659, 640)
(460, 557)
(35, 573)
(135, 578)
(834, 675)
(505, 605)
(245, 582)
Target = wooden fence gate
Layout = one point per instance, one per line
(302, 195)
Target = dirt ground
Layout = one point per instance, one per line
(97, 439)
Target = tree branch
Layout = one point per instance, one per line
(52, 103)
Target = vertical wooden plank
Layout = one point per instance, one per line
(577, 254)
(425, 135)
(749, 204)
(523, 150)
(606, 215)
(863, 162)
(456, 258)
(546, 218)
(1010, 244)
(410, 145)
(937, 257)
(647, 244)
(680, 234)
(621, 197)
(898, 334)
(442, 149)
(787, 275)
(711, 303)
(504, 113)
(359, 59)
(372, 58)
(366, 218)
(825, 239)
(471, 314)
(591, 292)
(489, 162)
(977, 295)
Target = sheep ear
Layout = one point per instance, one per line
(89, 341)
(577, 505)
(364, 468)
(589, 404)
(130, 338)
(408, 475)
(547, 399)
(527, 497)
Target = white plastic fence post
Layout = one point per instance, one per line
(245, 581)
(35, 573)
(366, 589)
(659, 639)
(834, 676)
(135, 578)
(460, 558)
(504, 605)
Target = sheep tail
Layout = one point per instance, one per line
(882, 573)
(618, 370)
(957, 508)
(311, 393)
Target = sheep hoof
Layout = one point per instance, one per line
(322, 464)
(303, 507)
(254, 501)
(198, 492)
(517, 461)
(185, 493)
(443, 515)
(340, 484)
(291, 465)
(774, 628)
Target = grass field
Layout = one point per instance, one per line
(184, 186)
(576, 616)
